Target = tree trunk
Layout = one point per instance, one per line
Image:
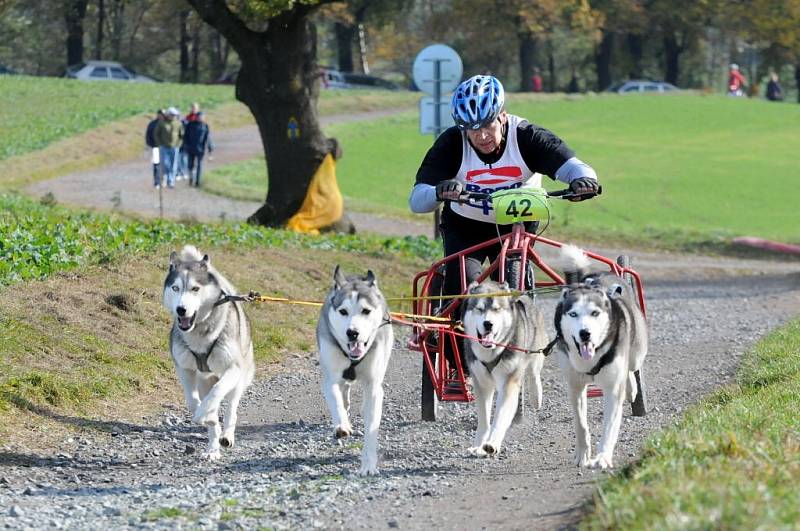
(527, 60)
(279, 83)
(184, 47)
(672, 55)
(74, 13)
(602, 60)
(636, 49)
(345, 35)
(362, 48)
(118, 23)
(551, 69)
(195, 64)
(101, 20)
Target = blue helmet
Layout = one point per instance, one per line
(477, 102)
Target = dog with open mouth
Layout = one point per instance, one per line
(506, 337)
(354, 339)
(602, 338)
(210, 344)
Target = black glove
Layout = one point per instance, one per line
(584, 188)
(449, 190)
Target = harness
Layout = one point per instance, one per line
(200, 358)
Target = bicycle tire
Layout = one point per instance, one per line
(428, 401)
(639, 405)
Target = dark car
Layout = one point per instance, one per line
(6, 70)
(355, 80)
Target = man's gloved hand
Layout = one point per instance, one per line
(585, 188)
(449, 190)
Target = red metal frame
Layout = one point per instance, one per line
(430, 339)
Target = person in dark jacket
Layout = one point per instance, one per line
(150, 140)
(196, 141)
(774, 90)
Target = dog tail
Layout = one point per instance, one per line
(576, 263)
(189, 253)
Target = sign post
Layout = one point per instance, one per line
(437, 71)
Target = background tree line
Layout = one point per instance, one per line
(686, 42)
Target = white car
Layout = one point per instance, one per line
(636, 86)
(104, 71)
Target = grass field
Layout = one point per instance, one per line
(687, 169)
(731, 463)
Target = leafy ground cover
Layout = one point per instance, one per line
(80, 316)
(731, 463)
(682, 171)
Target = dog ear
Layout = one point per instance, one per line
(371, 281)
(616, 290)
(173, 260)
(472, 286)
(205, 262)
(338, 277)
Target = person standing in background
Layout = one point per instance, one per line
(774, 90)
(196, 141)
(150, 140)
(536, 80)
(168, 135)
(736, 81)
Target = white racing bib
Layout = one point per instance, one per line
(509, 171)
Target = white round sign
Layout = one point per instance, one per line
(450, 68)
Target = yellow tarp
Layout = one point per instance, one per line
(323, 203)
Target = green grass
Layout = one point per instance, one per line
(36, 111)
(731, 463)
(680, 171)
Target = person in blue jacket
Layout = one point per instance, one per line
(196, 141)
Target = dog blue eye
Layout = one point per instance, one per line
(365, 311)
(573, 314)
(175, 289)
(343, 311)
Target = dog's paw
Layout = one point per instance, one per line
(602, 461)
(582, 458)
(491, 448)
(227, 441)
(204, 418)
(211, 455)
(368, 469)
(342, 432)
(477, 451)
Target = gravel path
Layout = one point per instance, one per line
(287, 473)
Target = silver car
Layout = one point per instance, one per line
(637, 86)
(104, 71)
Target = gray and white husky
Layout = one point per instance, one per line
(354, 338)
(210, 344)
(601, 339)
(510, 338)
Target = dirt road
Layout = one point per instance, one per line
(287, 473)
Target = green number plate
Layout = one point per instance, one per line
(520, 204)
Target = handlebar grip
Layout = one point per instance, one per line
(476, 195)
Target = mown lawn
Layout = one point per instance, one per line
(678, 170)
(731, 463)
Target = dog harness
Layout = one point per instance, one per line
(202, 359)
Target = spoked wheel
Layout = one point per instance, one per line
(639, 405)
(429, 401)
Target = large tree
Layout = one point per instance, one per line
(279, 82)
(74, 13)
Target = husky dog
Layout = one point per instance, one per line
(210, 343)
(354, 338)
(602, 338)
(510, 339)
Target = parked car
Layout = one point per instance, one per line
(332, 78)
(635, 86)
(6, 70)
(105, 71)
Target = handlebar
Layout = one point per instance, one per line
(566, 193)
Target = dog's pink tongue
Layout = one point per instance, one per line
(587, 350)
(488, 339)
(184, 321)
(356, 349)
